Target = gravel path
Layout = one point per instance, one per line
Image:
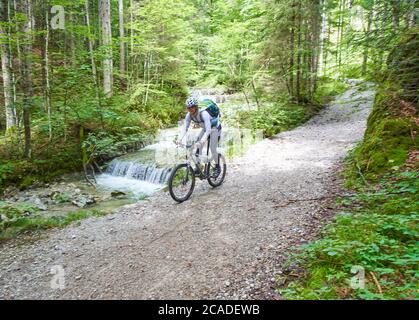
(223, 243)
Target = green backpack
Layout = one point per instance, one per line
(214, 111)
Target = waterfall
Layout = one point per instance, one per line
(215, 95)
(139, 171)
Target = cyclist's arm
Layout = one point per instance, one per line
(185, 126)
(207, 125)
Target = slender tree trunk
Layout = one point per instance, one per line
(341, 27)
(131, 14)
(149, 65)
(292, 54)
(382, 29)
(410, 17)
(72, 41)
(11, 65)
(395, 5)
(47, 77)
(6, 71)
(121, 37)
(323, 32)
(338, 33)
(318, 38)
(17, 30)
(90, 44)
(93, 62)
(255, 93)
(27, 77)
(326, 49)
(131, 63)
(298, 83)
(306, 61)
(105, 17)
(365, 54)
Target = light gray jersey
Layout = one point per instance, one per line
(203, 118)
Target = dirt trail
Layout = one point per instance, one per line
(223, 243)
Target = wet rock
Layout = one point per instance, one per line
(37, 203)
(83, 200)
(118, 194)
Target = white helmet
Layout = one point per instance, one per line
(191, 102)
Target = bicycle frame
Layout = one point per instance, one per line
(192, 157)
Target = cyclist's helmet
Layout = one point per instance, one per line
(191, 102)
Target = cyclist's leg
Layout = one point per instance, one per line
(214, 138)
(198, 151)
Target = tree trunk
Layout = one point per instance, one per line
(6, 71)
(121, 38)
(27, 76)
(105, 17)
(395, 5)
(72, 41)
(47, 77)
(298, 81)
(323, 33)
(410, 17)
(292, 54)
(19, 63)
(365, 54)
(255, 93)
(149, 65)
(318, 38)
(340, 39)
(93, 62)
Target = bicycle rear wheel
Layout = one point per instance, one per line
(217, 181)
(181, 182)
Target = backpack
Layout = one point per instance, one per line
(211, 107)
(213, 110)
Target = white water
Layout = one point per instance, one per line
(133, 176)
(130, 185)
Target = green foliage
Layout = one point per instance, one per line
(272, 119)
(142, 197)
(6, 169)
(284, 114)
(387, 141)
(19, 218)
(329, 88)
(378, 230)
(61, 197)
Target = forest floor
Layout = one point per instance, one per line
(224, 243)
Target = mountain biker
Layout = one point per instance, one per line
(210, 128)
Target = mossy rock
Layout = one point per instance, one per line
(387, 140)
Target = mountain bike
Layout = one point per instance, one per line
(182, 178)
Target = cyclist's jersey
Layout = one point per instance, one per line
(203, 119)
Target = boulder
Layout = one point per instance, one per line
(82, 200)
(118, 194)
(37, 203)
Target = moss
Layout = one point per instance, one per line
(386, 143)
(19, 222)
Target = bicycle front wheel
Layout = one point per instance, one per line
(181, 182)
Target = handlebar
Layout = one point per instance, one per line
(187, 146)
